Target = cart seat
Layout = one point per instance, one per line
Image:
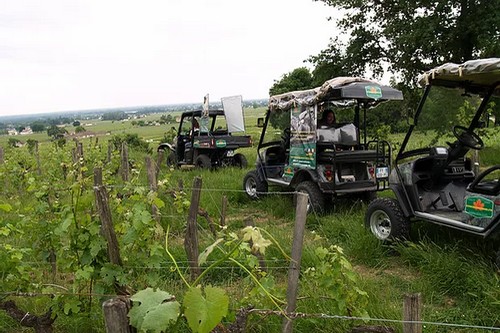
(329, 156)
(488, 187)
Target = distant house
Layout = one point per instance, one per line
(27, 130)
(12, 131)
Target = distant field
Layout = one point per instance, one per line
(108, 128)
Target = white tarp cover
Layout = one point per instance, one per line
(345, 135)
(233, 109)
(312, 96)
(479, 71)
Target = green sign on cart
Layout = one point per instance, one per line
(478, 206)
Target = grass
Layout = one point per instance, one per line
(451, 270)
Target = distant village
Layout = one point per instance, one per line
(29, 124)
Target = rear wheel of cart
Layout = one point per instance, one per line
(240, 161)
(253, 186)
(316, 202)
(203, 162)
(172, 160)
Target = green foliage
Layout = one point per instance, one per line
(204, 312)
(169, 135)
(334, 277)
(56, 132)
(38, 126)
(80, 129)
(118, 115)
(51, 218)
(13, 142)
(31, 145)
(154, 311)
(412, 36)
(132, 141)
(298, 79)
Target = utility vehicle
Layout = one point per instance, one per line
(205, 138)
(325, 162)
(439, 182)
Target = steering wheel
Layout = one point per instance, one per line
(467, 138)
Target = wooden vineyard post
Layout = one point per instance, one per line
(1, 155)
(223, 211)
(107, 229)
(115, 315)
(110, 149)
(37, 154)
(74, 155)
(191, 239)
(411, 313)
(79, 150)
(159, 161)
(294, 269)
(153, 185)
(124, 162)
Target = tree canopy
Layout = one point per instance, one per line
(409, 36)
(298, 79)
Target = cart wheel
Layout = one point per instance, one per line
(253, 186)
(368, 196)
(386, 220)
(204, 162)
(316, 202)
(240, 161)
(172, 160)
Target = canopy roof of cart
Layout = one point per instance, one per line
(337, 89)
(476, 75)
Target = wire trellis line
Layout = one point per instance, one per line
(294, 315)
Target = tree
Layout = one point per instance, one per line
(412, 36)
(56, 132)
(80, 129)
(76, 123)
(38, 126)
(298, 79)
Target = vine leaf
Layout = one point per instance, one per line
(204, 313)
(155, 311)
(202, 258)
(259, 243)
(6, 207)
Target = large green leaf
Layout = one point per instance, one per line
(204, 313)
(154, 312)
(5, 207)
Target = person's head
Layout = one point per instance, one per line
(329, 117)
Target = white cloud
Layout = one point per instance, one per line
(67, 55)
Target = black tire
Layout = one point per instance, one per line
(203, 162)
(253, 186)
(386, 220)
(316, 203)
(240, 161)
(172, 160)
(368, 196)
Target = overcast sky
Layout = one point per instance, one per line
(60, 55)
